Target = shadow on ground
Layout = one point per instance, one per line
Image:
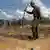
(20, 37)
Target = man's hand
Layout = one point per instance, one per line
(25, 10)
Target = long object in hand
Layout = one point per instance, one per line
(24, 15)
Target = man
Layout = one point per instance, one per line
(36, 15)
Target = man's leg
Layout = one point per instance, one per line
(37, 31)
(34, 32)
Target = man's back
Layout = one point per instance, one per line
(36, 12)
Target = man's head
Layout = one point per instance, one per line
(32, 4)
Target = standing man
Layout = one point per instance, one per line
(36, 15)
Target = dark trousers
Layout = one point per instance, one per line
(35, 31)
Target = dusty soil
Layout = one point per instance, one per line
(21, 42)
(14, 44)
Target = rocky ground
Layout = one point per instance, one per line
(21, 42)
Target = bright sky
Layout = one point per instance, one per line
(11, 6)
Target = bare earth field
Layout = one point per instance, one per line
(19, 40)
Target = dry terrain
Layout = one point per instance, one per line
(19, 40)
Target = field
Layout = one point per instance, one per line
(19, 40)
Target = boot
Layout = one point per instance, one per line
(37, 36)
(34, 36)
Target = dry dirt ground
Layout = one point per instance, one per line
(17, 43)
